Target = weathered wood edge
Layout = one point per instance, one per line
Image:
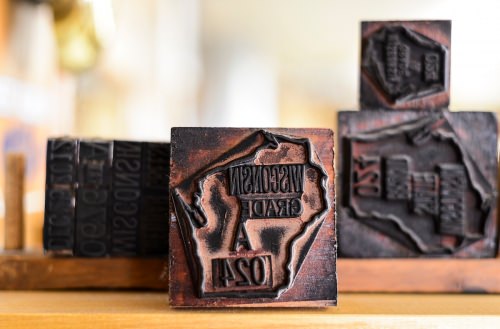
(419, 275)
(25, 271)
(37, 272)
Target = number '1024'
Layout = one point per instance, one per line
(244, 272)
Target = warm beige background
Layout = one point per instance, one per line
(165, 63)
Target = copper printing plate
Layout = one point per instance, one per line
(253, 217)
(405, 65)
(417, 184)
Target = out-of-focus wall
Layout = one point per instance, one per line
(4, 25)
(146, 66)
(316, 47)
(249, 62)
(147, 75)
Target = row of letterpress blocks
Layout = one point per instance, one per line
(106, 198)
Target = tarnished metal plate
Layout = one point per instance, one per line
(418, 184)
(252, 218)
(405, 65)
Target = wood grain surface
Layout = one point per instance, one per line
(419, 275)
(150, 310)
(14, 206)
(24, 271)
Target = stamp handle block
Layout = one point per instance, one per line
(14, 206)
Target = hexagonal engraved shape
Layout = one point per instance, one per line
(253, 217)
(418, 184)
(405, 65)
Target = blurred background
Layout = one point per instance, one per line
(129, 69)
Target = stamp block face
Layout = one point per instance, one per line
(126, 198)
(154, 204)
(405, 65)
(252, 219)
(94, 163)
(418, 184)
(92, 198)
(61, 178)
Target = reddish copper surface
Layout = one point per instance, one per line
(253, 217)
(411, 58)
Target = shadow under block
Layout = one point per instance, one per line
(405, 65)
(32, 271)
(417, 184)
(252, 219)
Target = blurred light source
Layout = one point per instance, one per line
(104, 20)
(241, 90)
(82, 28)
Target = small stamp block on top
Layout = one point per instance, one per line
(252, 218)
(405, 65)
(418, 184)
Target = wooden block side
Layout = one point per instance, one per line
(37, 272)
(14, 206)
(193, 149)
(419, 275)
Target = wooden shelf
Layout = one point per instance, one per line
(34, 271)
(419, 275)
(23, 309)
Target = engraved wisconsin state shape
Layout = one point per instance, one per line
(413, 53)
(427, 143)
(208, 216)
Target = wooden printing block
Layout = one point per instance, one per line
(92, 201)
(126, 198)
(252, 218)
(59, 218)
(139, 202)
(418, 184)
(405, 65)
(154, 208)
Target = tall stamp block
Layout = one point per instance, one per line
(418, 184)
(126, 198)
(92, 202)
(252, 218)
(154, 203)
(405, 65)
(139, 200)
(60, 190)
